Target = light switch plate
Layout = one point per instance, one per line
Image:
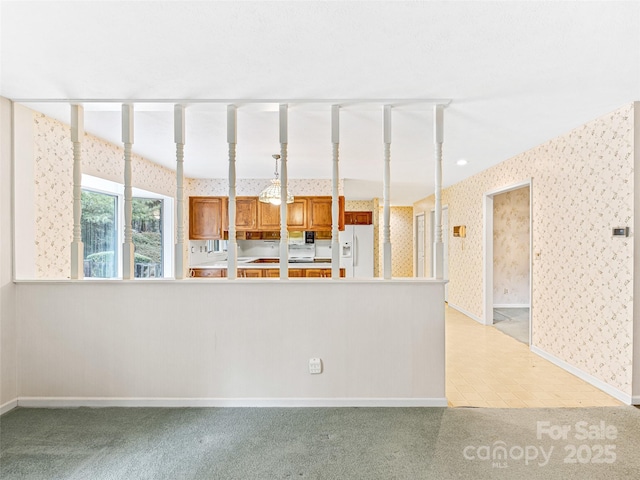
(620, 232)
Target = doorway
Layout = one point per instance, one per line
(445, 247)
(507, 262)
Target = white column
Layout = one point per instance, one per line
(335, 208)
(77, 247)
(386, 228)
(232, 246)
(284, 241)
(127, 246)
(179, 138)
(438, 246)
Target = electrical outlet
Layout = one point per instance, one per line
(315, 366)
(506, 290)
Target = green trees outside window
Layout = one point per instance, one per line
(100, 235)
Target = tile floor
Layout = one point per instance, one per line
(486, 368)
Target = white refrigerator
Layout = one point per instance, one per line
(356, 250)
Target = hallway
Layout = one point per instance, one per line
(486, 368)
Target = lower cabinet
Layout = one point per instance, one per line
(250, 272)
(208, 272)
(263, 272)
(317, 272)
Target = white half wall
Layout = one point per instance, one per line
(242, 342)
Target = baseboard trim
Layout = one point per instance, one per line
(596, 382)
(468, 314)
(511, 305)
(635, 400)
(96, 402)
(8, 406)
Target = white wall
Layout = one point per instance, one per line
(8, 356)
(221, 342)
(25, 193)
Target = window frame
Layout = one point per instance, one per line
(101, 185)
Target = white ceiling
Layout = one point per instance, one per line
(517, 74)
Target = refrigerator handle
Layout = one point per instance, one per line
(355, 250)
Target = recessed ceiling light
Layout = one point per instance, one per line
(461, 162)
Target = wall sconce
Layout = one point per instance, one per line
(460, 231)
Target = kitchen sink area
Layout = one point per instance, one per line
(258, 258)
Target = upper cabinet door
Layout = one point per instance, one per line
(297, 214)
(247, 213)
(268, 216)
(205, 218)
(320, 213)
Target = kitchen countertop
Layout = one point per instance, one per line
(245, 262)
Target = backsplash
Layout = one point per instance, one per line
(258, 248)
(199, 254)
(249, 248)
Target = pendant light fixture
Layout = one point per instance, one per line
(271, 194)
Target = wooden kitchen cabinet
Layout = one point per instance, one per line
(206, 218)
(270, 236)
(358, 218)
(321, 272)
(209, 220)
(317, 272)
(263, 272)
(250, 272)
(268, 216)
(246, 213)
(320, 213)
(297, 214)
(208, 272)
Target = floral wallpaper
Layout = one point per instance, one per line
(251, 187)
(53, 169)
(401, 241)
(582, 186)
(511, 261)
(401, 226)
(358, 205)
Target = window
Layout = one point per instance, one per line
(146, 224)
(103, 230)
(99, 234)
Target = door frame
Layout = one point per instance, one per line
(487, 239)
